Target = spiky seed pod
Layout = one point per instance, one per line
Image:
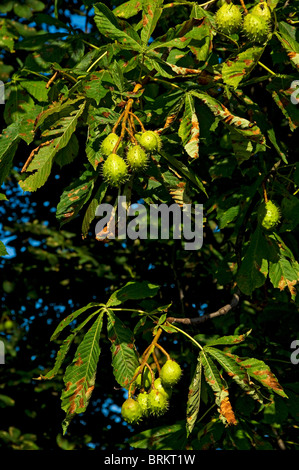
(150, 141)
(262, 10)
(228, 19)
(131, 411)
(157, 402)
(268, 215)
(170, 373)
(142, 399)
(109, 143)
(158, 386)
(137, 158)
(256, 28)
(144, 379)
(115, 170)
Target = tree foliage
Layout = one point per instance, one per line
(225, 115)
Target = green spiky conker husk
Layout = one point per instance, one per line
(115, 170)
(228, 19)
(109, 143)
(131, 411)
(170, 373)
(262, 10)
(268, 215)
(150, 141)
(137, 158)
(256, 28)
(167, 390)
(142, 399)
(157, 402)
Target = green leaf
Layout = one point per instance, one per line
(3, 251)
(70, 318)
(194, 394)
(151, 14)
(93, 85)
(283, 274)
(259, 371)
(168, 437)
(231, 339)
(254, 268)
(75, 196)
(287, 37)
(9, 140)
(189, 128)
(91, 210)
(109, 26)
(211, 372)
(58, 138)
(281, 90)
(235, 371)
(124, 353)
(185, 170)
(64, 348)
(241, 125)
(237, 67)
(133, 291)
(128, 9)
(80, 375)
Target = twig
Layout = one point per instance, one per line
(244, 7)
(51, 79)
(208, 316)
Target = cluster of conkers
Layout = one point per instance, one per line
(134, 157)
(256, 24)
(153, 397)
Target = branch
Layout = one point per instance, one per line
(208, 316)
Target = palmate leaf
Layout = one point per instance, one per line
(189, 128)
(229, 340)
(91, 209)
(281, 91)
(124, 353)
(128, 9)
(70, 318)
(9, 140)
(80, 375)
(219, 387)
(151, 12)
(254, 268)
(133, 291)
(237, 67)
(75, 196)
(108, 24)
(284, 274)
(247, 129)
(287, 37)
(194, 395)
(259, 371)
(64, 348)
(58, 138)
(235, 371)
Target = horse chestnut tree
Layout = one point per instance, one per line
(163, 103)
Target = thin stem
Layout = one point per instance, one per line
(267, 68)
(244, 7)
(188, 336)
(96, 61)
(163, 351)
(138, 120)
(91, 45)
(128, 310)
